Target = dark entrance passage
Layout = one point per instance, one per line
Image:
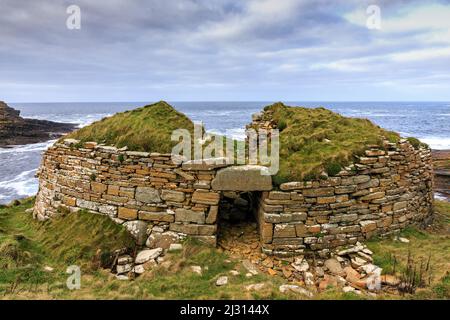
(237, 222)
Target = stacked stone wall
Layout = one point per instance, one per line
(155, 199)
(161, 202)
(387, 190)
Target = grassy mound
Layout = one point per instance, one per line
(144, 129)
(28, 246)
(317, 140)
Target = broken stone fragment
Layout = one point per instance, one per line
(334, 267)
(124, 260)
(197, 270)
(175, 247)
(138, 230)
(255, 287)
(148, 254)
(223, 280)
(124, 268)
(147, 195)
(301, 265)
(251, 268)
(285, 288)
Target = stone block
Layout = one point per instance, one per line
(185, 215)
(284, 231)
(212, 215)
(147, 195)
(368, 226)
(98, 187)
(156, 216)
(205, 197)
(127, 214)
(175, 196)
(242, 178)
(318, 192)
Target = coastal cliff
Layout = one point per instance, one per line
(15, 130)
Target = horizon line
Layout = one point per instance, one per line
(231, 101)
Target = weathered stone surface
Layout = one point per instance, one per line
(318, 192)
(125, 268)
(206, 165)
(367, 226)
(156, 216)
(250, 267)
(277, 195)
(194, 229)
(147, 255)
(147, 195)
(284, 231)
(127, 214)
(205, 197)
(138, 230)
(242, 178)
(373, 196)
(293, 186)
(212, 215)
(185, 215)
(162, 240)
(221, 281)
(334, 267)
(285, 288)
(87, 204)
(170, 195)
(109, 210)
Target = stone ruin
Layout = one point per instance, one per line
(161, 202)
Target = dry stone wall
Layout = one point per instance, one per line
(157, 200)
(386, 191)
(161, 202)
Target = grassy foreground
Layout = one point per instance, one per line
(28, 248)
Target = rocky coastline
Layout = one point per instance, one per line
(15, 130)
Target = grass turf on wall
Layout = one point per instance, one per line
(313, 140)
(144, 129)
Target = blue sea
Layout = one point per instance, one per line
(428, 121)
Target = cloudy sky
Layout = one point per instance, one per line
(199, 50)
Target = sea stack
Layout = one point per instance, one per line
(15, 130)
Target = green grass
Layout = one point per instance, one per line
(317, 140)
(144, 129)
(312, 141)
(27, 246)
(433, 243)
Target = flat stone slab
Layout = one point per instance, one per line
(242, 178)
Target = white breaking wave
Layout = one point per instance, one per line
(236, 133)
(24, 184)
(437, 143)
(29, 147)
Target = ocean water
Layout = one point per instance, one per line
(428, 121)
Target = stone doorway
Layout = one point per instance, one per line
(237, 230)
(240, 188)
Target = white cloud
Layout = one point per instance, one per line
(422, 54)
